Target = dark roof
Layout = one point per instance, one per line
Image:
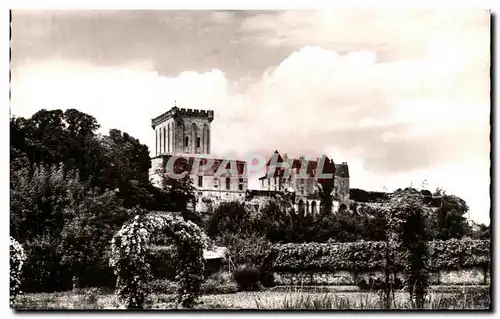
(340, 170)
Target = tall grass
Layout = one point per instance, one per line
(373, 301)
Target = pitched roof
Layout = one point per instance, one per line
(311, 166)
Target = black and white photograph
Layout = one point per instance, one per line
(292, 159)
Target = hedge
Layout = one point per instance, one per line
(368, 255)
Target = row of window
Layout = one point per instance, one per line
(216, 183)
(186, 141)
(280, 181)
(163, 140)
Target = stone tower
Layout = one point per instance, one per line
(183, 131)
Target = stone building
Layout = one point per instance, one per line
(183, 136)
(301, 177)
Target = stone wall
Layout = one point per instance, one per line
(473, 276)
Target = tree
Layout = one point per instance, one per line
(117, 161)
(229, 217)
(89, 227)
(407, 235)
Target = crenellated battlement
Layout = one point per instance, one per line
(178, 112)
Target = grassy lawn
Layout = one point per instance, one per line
(93, 299)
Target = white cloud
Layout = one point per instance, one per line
(395, 121)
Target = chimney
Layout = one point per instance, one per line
(285, 157)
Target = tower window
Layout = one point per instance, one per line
(186, 141)
(200, 181)
(198, 142)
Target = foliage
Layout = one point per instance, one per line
(219, 283)
(459, 253)
(365, 255)
(88, 229)
(407, 235)
(39, 198)
(17, 258)
(116, 161)
(65, 226)
(328, 256)
(247, 248)
(229, 217)
(130, 248)
(163, 286)
(247, 277)
(69, 188)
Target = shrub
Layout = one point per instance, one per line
(162, 261)
(366, 255)
(131, 245)
(360, 255)
(212, 287)
(17, 259)
(247, 277)
(245, 249)
(163, 286)
(219, 283)
(459, 253)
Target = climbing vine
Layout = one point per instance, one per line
(407, 236)
(17, 258)
(131, 246)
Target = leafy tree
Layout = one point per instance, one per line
(117, 161)
(229, 217)
(89, 227)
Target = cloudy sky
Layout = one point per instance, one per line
(402, 95)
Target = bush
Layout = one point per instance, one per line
(366, 255)
(360, 255)
(459, 253)
(247, 249)
(163, 286)
(17, 259)
(213, 287)
(131, 245)
(162, 261)
(247, 277)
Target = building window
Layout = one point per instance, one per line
(186, 141)
(240, 187)
(200, 181)
(164, 139)
(342, 183)
(228, 183)
(198, 142)
(216, 183)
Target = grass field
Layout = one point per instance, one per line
(293, 299)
